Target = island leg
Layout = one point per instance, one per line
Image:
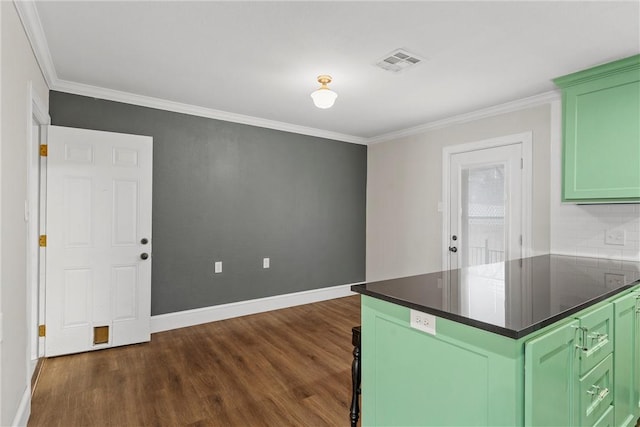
(355, 376)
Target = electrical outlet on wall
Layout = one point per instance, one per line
(614, 237)
(423, 322)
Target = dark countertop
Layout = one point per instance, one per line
(512, 298)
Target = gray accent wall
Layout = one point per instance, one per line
(237, 193)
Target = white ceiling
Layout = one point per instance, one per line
(261, 59)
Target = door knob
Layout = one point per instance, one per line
(453, 249)
(144, 241)
(144, 255)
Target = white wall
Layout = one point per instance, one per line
(404, 186)
(19, 67)
(580, 229)
(1, 127)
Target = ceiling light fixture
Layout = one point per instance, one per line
(324, 97)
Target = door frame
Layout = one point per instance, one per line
(525, 139)
(36, 114)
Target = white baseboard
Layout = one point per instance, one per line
(24, 410)
(181, 319)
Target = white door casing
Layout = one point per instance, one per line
(518, 168)
(38, 119)
(98, 211)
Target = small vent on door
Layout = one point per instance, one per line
(100, 335)
(398, 60)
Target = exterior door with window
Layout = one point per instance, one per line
(485, 209)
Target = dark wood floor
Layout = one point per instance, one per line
(289, 367)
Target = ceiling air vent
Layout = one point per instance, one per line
(398, 60)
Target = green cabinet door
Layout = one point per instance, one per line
(627, 360)
(461, 376)
(550, 371)
(601, 121)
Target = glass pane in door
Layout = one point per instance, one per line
(482, 200)
(482, 246)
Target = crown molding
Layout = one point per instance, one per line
(507, 107)
(32, 25)
(194, 110)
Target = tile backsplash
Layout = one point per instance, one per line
(604, 231)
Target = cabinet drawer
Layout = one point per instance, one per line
(596, 339)
(606, 420)
(595, 392)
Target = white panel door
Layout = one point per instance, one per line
(98, 268)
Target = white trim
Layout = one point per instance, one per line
(507, 107)
(526, 139)
(43, 230)
(1, 197)
(177, 107)
(24, 409)
(33, 27)
(35, 33)
(28, 14)
(36, 110)
(181, 319)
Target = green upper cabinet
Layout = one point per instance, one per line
(601, 126)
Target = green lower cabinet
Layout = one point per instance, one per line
(627, 360)
(550, 368)
(462, 376)
(597, 337)
(595, 393)
(569, 371)
(582, 371)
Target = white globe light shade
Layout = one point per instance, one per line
(324, 98)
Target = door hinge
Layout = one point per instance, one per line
(44, 151)
(43, 241)
(42, 330)
(521, 240)
(521, 163)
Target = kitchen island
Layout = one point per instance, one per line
(547, 340)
